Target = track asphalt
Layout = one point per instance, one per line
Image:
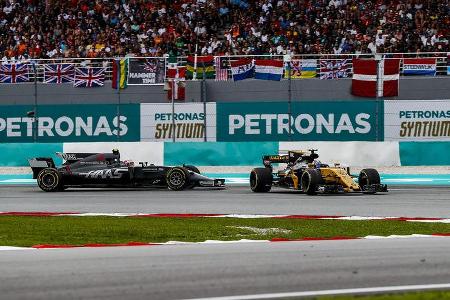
(198, 271)
(212, 270)
(400, 201)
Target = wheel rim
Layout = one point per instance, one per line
(48, 180)
(176, 178)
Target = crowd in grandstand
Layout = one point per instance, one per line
(102, 28)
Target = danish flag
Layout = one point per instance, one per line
(364, 81)
(176, 79)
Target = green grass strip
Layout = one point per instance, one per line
(432, 295)
(28, 231)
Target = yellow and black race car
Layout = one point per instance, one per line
(305, 173)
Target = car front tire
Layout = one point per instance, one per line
(367, 177)
(310, 180)
(177, 178)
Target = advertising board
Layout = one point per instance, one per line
(70, 123)
(158, 123)
(417, 120)
(303, 121)
(146, 71)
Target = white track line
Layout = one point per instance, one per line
(378, 289)
(9, 248)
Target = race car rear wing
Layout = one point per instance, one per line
(291, 157)
(270, 159)
(39, 163)
(70, 158)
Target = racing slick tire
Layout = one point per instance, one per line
(310, 180)
(49, 180)
(261, 180)
(192, 168)
(367, 177)
(177, 178)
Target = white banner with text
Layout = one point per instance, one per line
(184, 122)
(417, 120)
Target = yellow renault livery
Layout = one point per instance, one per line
(304, 172)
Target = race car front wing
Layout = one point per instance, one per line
(204, 181)
(374, 188)
(367, 189)
(212, 183)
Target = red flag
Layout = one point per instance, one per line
(221, 69)
(178, 86)
(115, 73)
(364, 82)
(391, 76)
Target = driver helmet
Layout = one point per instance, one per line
(115, 151)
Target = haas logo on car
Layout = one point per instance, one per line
(106, 174)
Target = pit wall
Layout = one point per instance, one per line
(241, 153)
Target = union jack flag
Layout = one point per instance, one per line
(14, 73)
(89, 77)
(150, 66)
(58, 73)
(334, 69)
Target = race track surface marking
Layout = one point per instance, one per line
(379, 289)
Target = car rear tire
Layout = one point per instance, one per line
(49, 180)
(177, 178)
(310, 180)
(367, 177)
(261, 180)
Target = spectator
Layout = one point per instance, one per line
(81, 28)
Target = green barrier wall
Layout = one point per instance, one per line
(70, 123)
(311, 121)
(224, 153)
(425, 153)
(13, 155)
(218, 154)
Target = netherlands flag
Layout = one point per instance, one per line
(419, 66)
(242, 69)
(268, 69)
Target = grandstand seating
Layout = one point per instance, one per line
(101, 29)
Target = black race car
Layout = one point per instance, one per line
(107, 170)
